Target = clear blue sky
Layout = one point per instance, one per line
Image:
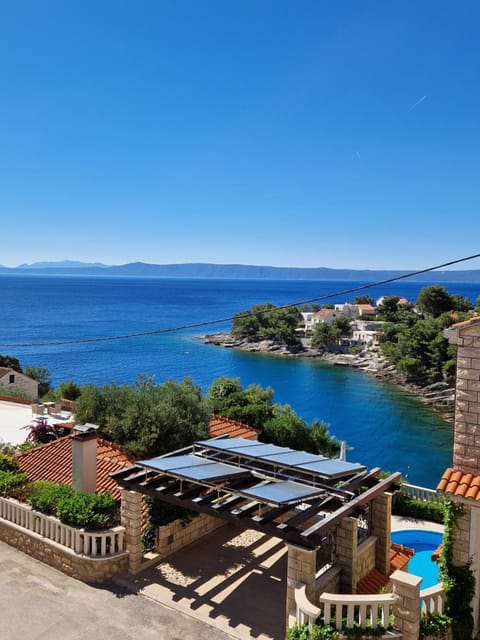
(299, 133)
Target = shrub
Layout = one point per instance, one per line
(434, 624)
(8, 462)
(11, 480)
(403, 505)
(88, 510)
(47, 495)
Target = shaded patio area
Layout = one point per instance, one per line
(233, 579)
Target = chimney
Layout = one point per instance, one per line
(466, 437)
(84, 457)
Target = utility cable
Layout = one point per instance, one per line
(246, 314)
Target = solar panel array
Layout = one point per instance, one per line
(206, 465)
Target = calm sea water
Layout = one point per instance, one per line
(384, 426)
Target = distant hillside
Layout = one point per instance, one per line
(233, 271)
(64, 264)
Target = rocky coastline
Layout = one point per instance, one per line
(440, 397)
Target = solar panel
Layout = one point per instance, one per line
(215, 471)
(261, 450)
(228, 443)
(282, 492)
(294, 458)
(331, 467)
(175, 462)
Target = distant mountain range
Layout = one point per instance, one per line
(231, 272)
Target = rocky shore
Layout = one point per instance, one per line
(440, 397)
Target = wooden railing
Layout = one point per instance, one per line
(97, 544)
(420, 493)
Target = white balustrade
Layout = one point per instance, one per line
(98, 544)
(420, 493)
(432, 600)
(366, 611)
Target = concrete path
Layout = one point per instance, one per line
(40, 603)
(231, 579)
(401, 522)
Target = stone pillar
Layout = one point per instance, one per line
(466, 438)
(406, 612)
(131, 518)
(301, 567)
(381, 519)
(346, 554)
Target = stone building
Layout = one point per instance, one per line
(13, 380)
(461, 482)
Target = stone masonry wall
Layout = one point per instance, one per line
(94, 570)
(461, 537)
(176, 535)
(466, 444)
(365, 558)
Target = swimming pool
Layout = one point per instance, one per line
(424, 542)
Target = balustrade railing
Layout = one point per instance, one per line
(420, 493)
(98, 544)
(345, 611)
(432, 600)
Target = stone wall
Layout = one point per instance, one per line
(178, 534)
(95, 570)
(365, 558)
(466, 440)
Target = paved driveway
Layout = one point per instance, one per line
(40, 603)
(231, 579)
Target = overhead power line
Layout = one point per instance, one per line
(206, 323)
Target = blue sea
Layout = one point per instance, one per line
(383, 426)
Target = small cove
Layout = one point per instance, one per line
(385, 426)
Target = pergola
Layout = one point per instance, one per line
(292, 495)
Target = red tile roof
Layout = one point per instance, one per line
(53, 462)
(374, 581)
(220, 426)
(466, 323)
(457, 483)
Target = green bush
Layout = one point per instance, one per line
(88, 510)
(403, 505)
(434, 624)
(318, 632)
(76, 508)
(10, 481)
(46, 496)
(8, 463)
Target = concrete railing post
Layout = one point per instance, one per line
(131, 518)
(407, 611)
(381, 528)
(346, 554)
(301, 567)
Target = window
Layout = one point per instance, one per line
(11, 378)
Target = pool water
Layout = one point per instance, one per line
(425, 543)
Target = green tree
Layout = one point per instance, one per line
(11, 363)
(324, 336)
(42, 376)
(388, 309)
(343, 326)
(364, 299)
(434, 300)
(268, 322)
(460, 303)
(252, 406)
(68, 390)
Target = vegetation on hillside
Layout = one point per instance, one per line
(150, 419)
(279, 424)
(268, 322)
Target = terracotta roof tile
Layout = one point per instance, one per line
(220, 426)
(456, 483)
(53, 462)
(374, 581)
(466, 323)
